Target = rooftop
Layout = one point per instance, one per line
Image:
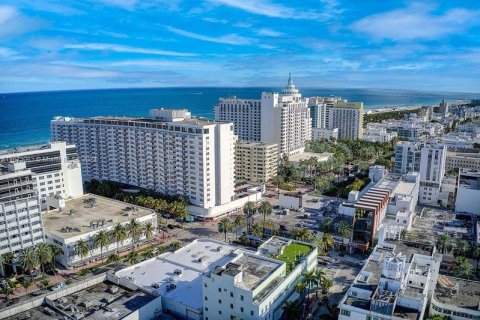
(178, 275)
(458, 292)
(101, 301)
(469, 179)
(308, 155)
(88, 213)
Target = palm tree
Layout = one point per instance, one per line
(301, 234)
(444, 243)
(278, 181)
(405, 235)
(256, 230)
(326, 284)
(7, 291)
(82, 248)
(6, 259)
(101, 239)
(265, 209)
(28, 259)
(134, 229)
(113, 258)
(476, 254)
(238, 222)
(148, 254)
(462, 248)
(249, 211)
(174, 246)
(133, 257)
(225, 226)
(44, 254)
(149, 231)
(325, 242)
(290, 310)
(332, 312)
(302, 288)
(119, 234)
(56, 252)
(344, 229)
(462, 268)
(310, 279)
(26, 284)
(327, 225)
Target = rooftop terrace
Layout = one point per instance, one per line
(80, 212)
(458, 292)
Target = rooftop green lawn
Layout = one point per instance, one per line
(291, 252)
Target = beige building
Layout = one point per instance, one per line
(255, 162)
(348, 118)
(462, 160)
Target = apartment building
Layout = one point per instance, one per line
(464, 160)
(186, 156)
(282, 119)
(55, 168)
(255, 162)
(245, 115)
(432, 171)
(407, 157)
(376, 133)
(20, 220)
(324, 133)
(331, 113)
(83, 217)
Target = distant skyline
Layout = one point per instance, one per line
(68, 45)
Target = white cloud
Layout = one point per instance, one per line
(269, 9)
(125, 49)
(232, 38)
(125, 4)
(269, 32)
(13, 22)
(416, 21)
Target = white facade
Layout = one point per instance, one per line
(462, 160)
(375, 133)
(282, 119)
(324, 133)
(336, 113)
(209, 279)
(20, 220)
(468, 192)
(393, 284)
(243, 113)
(55, 167)
(80, 220)
(432, 170)
(190, 157)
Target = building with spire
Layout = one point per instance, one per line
(276, 118)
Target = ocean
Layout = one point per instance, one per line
(25, 117)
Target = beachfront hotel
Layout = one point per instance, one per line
(336, 113)
(169, 152)
(278, 118)
(209, 279)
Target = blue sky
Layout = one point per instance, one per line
(79, 44)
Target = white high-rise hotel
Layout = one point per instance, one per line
(170, 152)
(275, 118)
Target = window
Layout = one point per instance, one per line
(231, 305)
(219, 311)
(241, 297)
(219, 290)
(251, 312)
(345, 312)
(206, 298)
(220, 301)
(231, 294)
(241, 309)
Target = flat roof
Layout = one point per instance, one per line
(458, 292)
(109, 210)
(115, 120)
(190, 262)
(307, 155)
(116, 305)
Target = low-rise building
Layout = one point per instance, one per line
(83, 217)
(468, 192)
(255, 162)
(324, 133)
(465, 160)
(375, 133)
(209, 279)
(395, 283)
(456, 298)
